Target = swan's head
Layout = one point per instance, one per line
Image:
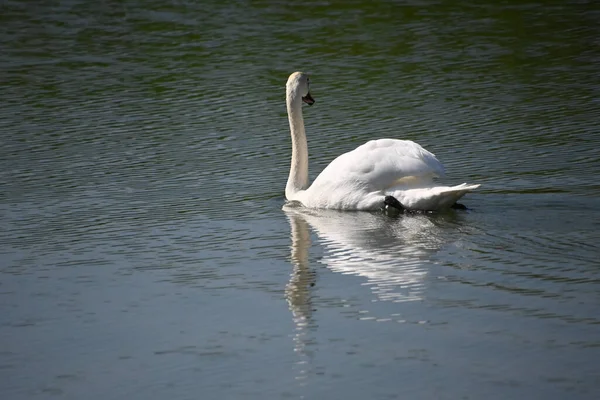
(298, 85)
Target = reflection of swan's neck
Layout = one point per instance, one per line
(298, 179)
(298, 293)
(301, 279)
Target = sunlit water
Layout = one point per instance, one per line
(144, 251)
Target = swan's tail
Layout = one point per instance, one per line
(432, 198)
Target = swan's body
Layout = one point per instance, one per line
(362, 178)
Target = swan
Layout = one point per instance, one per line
(379, 174)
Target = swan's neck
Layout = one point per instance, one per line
(298, 179)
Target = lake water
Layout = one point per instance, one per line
(145, 252)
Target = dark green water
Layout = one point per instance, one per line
(144, 151)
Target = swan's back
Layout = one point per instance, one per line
(381, 164)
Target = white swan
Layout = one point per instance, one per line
(397, 173)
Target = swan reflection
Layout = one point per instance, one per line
(389, 253)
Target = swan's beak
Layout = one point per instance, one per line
(308, 99)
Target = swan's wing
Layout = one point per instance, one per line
(431, 198)
(380, 164)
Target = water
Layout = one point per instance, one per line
(145, 252)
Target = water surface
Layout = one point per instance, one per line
(144, 251)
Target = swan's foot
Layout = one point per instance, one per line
(458, 206)
(390, 202)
